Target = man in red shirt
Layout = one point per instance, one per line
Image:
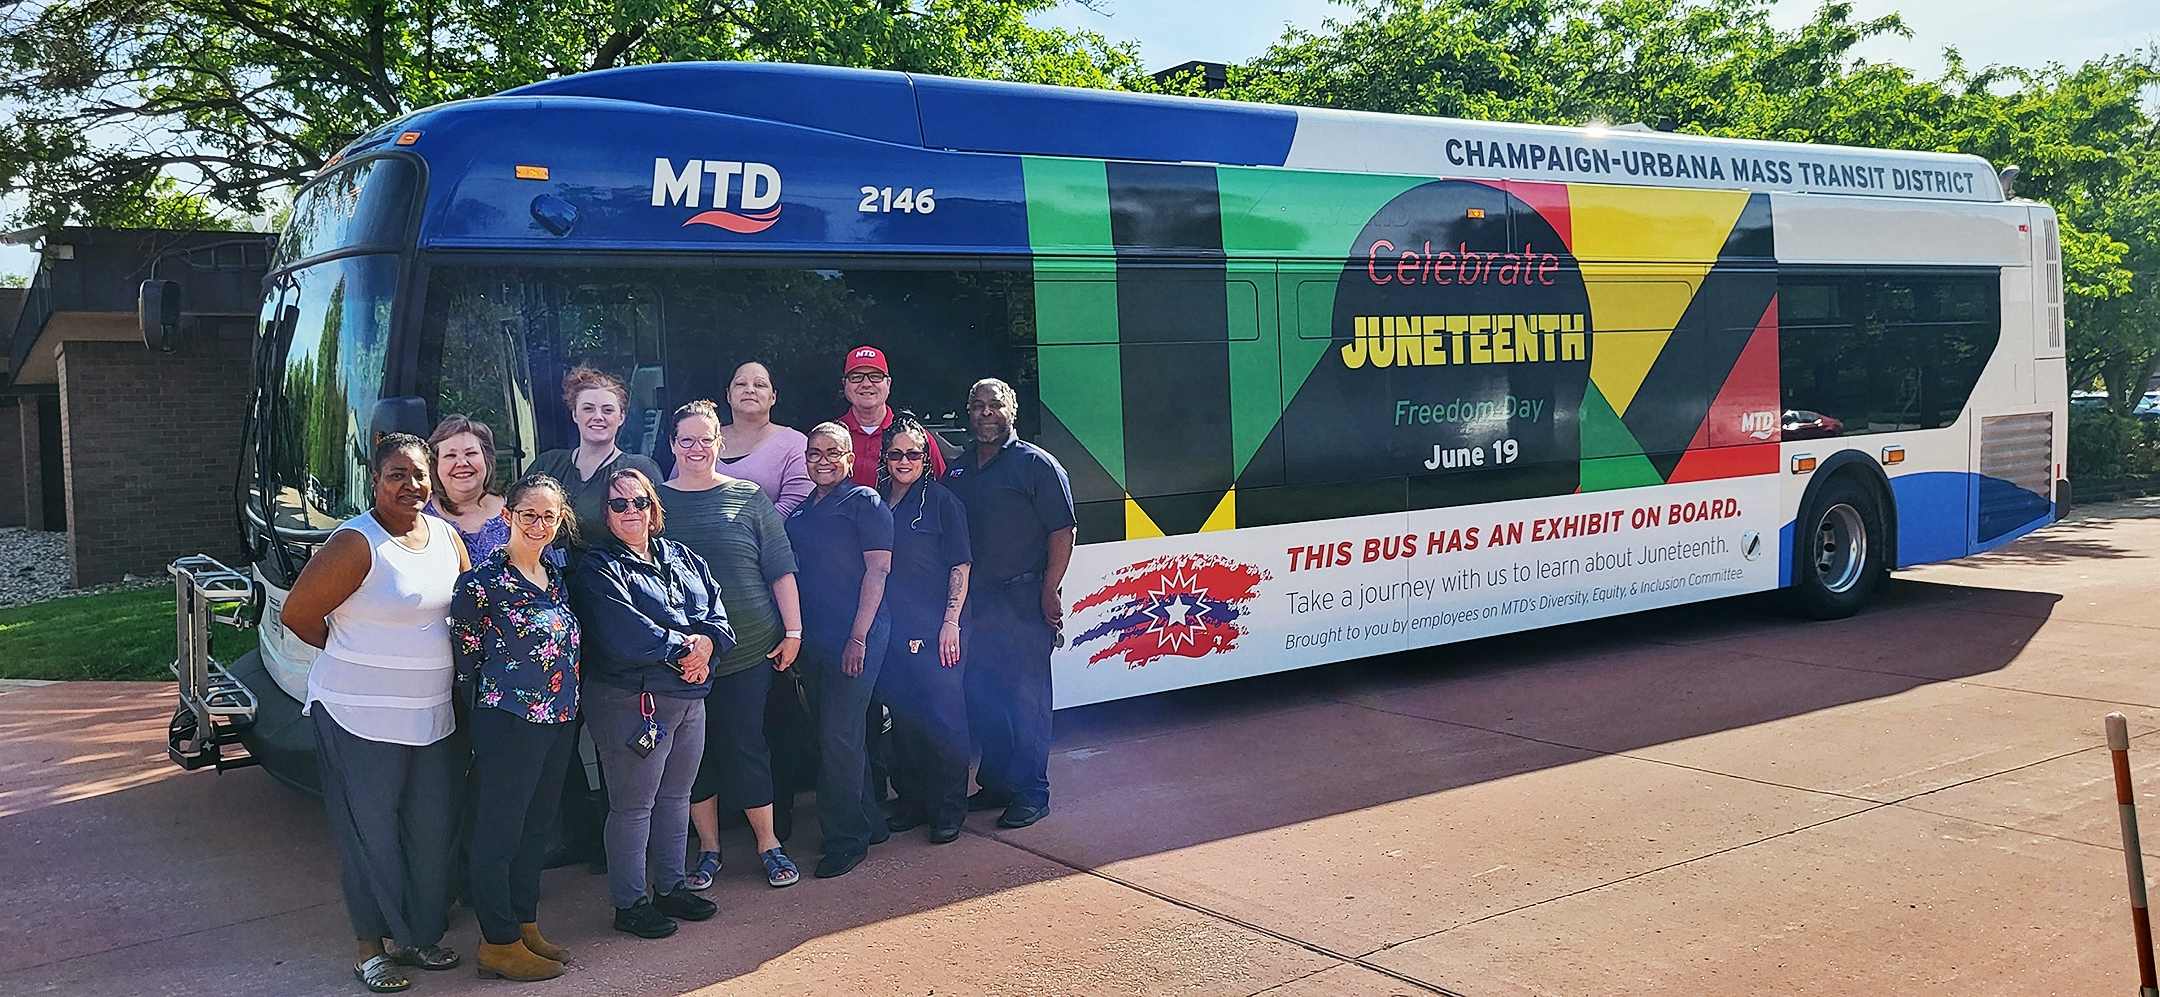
(866, 383)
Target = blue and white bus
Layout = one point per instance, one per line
(1328, 384)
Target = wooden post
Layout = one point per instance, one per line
(2118, 738)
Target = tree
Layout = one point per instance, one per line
(236, 99)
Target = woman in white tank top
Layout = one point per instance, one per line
(376, 599)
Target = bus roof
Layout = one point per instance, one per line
(943, 113)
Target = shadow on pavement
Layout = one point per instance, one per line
(227, 881)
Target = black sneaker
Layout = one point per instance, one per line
(984, 799)
(834, 864)
(685, 905)
(643, 920)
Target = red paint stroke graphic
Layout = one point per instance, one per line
(1185, 605)
(746, 223)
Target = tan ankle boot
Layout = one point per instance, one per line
(529, 932)
(515, 962)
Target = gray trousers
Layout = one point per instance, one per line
(392, 810)
(648, 821)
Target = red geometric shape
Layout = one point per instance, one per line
(1746, 409)
(1551, 202)
(1726, 462)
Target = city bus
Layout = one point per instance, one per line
(1327, 384)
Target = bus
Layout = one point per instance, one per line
(1327, 384)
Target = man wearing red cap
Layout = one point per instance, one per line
(866, 383)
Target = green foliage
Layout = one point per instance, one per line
(238, 100)
(107, 637)
(2105, 446)
(14, 280)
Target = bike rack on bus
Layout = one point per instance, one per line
(215, 708)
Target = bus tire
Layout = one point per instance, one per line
(1838, 545)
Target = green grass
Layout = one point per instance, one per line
(105, 637)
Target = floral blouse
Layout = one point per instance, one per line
(517, 643)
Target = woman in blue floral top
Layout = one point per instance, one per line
(516, 645)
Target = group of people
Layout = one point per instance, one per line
(469, 633)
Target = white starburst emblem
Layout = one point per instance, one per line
(1176, 609)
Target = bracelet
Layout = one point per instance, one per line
(955, 624)
(792, 635)
(858, 640)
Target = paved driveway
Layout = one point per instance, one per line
(1714, 799)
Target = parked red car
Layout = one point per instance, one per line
(1801, 424)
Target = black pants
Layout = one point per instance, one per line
(737, 767)
(582, 806)
(517, 765)
(391, 809)
(930, 733)
(845, 806)
(1008, 690)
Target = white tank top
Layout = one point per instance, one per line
(386, 672)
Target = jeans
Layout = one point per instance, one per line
(847, 811)
(1008, 691)
(518, 767)
(392, 809)
(648, 821)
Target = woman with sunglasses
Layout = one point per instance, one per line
(516, 646)
(843, 537)
(733, 525)
(921, 681)
(653, 625)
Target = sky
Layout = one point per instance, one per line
(2012, 32)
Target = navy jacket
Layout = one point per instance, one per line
(639, 616)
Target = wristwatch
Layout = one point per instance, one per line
(792, 635)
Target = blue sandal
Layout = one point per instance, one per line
(779, 871)
(701, 878)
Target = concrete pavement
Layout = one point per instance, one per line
(1713, 799)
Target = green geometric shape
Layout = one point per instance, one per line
(1076, 316)
(1606, 473)
(1603, 434)
(1255, 363)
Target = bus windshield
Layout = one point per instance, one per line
(328, 382)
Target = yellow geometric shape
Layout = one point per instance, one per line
(1225, 515)
(1643, 252)
(1137, 523)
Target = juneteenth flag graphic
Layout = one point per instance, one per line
(1184, 605)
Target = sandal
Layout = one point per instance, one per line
(433, 958)
(779, 871)
(701, 877)
(381, 976)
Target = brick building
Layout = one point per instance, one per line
(134, 451)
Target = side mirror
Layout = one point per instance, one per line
(404, 414)
(157, 312)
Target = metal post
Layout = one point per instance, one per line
(2118, 738)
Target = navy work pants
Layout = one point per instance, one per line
(1007, 657)
(930, 730)
(847, 812)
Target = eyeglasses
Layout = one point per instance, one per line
(529, 517)
(623, 504)
(870, 376)
(910, 456)
(825, 456)
(696, 442)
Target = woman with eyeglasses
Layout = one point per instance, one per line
(843, 538)
(921, 680)
(515, 642)
(732, 525)
(653, 625)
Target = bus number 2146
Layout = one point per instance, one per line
(880, 200)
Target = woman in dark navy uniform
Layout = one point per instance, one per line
(843, 537)
(921, 681)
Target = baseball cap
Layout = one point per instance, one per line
(865, 356)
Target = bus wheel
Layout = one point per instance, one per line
(1837, 551)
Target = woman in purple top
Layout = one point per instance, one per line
(755, 449)
(465, 467)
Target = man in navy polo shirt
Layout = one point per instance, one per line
(1020, 525)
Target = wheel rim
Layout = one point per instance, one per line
(1840, 548)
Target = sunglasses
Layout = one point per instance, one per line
(910, 456)
(623, 504)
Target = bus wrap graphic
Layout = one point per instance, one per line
(759, 197)
(1186, 605)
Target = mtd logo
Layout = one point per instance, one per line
(760, 201)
